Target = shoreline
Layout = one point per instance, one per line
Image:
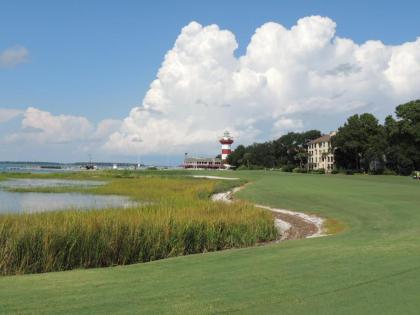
(290, 224)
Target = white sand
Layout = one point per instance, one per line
(214, 177)
(281, 225)
(312, 219)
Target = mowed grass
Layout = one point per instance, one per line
(371, 267)
(175, 217)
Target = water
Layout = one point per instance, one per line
(33, 168)
(28, 202)
(41, 167)
(42, 183)
(12, 202)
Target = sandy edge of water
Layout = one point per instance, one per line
(291, 224)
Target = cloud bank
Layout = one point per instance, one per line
(42, 127)
(13, 56)
(202, 88)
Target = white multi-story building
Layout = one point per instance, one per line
(320, 153)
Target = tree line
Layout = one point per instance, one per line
(287, 152)
(362, 144)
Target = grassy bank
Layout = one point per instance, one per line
(175, 218)
(372, 267)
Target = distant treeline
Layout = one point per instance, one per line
(287, 152)
(362, 144)
(29, 163)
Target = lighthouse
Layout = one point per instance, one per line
(226, 142)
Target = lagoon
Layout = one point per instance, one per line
(42, 183)
(28, 202)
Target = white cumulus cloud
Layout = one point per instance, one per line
(105, 128)
(283, 125)
(43, 127)
(202, 88)
(13, 56)
(7, 114)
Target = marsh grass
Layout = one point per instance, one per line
(177, 219)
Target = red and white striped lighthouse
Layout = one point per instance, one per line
(226, 142)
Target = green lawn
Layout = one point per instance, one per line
(372, 267)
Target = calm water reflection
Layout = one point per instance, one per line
(14, 202)
(39, 183)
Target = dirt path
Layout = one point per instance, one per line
(301, 225)
(291, 224)
(214, 177)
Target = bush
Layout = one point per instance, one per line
(335, 171)
(389, 172)
(251, 167)
(299, 170)
(320, 171)
(287, 168)
(376, 172)
(256, 167)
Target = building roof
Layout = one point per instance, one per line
(199, 159)
(324, 138)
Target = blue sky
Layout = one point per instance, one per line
(96, 59)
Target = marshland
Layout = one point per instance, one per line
(170, 215)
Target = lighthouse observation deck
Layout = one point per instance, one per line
(226, 138)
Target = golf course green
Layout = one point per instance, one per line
(371, 266)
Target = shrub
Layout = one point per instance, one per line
(256, 167)
(250, 167)
(335, 171)
(299, 170)
(319, 171)
(376, 171)
(389, 172)
(287, 168)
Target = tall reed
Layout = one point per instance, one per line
(177, 220)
